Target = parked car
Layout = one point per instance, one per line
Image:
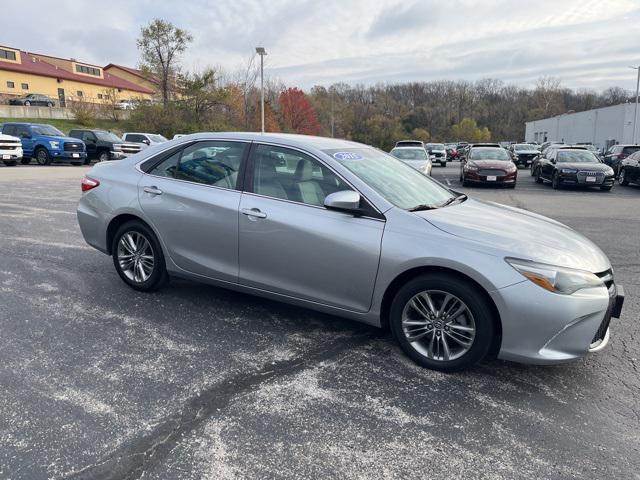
(103, 146)
(488, 166)
(574, 166)
(545, 145)
(124, 105)
(144, 139)
(548, 153)
(10, 150)
(617, 153)
(415, 157)
(347, 229)
(523, 154)
(452, 150)
(630, 170)
(438, 152)
(46, 143)
(34, 99)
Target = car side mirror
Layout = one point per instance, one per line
(25, 135)
(146, 141)
(553, 160)
(344, 200)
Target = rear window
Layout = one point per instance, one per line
(409, 153)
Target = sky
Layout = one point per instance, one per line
(585, 43)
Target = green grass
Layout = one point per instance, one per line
(65, 125)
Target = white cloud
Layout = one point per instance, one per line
(588, 43)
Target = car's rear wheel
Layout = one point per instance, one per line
(622, 178)
(138, 258)
(25, 160)
(10, 163)
(42, 156)
(442, 322)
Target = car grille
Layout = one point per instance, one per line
(73, 147)
(437, 154)
(130, 148)
(582, 177)
(491, 173)
(607, 278)
(525, 156)
(10, 145)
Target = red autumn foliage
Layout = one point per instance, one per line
(297, 114)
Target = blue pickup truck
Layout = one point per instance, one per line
(46, 144)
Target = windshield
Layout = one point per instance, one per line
(108, 137)
(394, 180)
(46, 130)
(157, 138)
(576, 156)
(630, 150)
(524, 147)
(489, 154)
(409, 153)
(435, 146)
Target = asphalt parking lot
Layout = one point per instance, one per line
(193, 381)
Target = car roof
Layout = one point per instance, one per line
(321, 143)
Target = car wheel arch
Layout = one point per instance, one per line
(121, 219)
(404, 277)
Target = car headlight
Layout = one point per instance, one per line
(569, 170)
(471, 166)
(609, 171)
(54, 145)
(556, 279)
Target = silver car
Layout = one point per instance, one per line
(347, 229)
(415, 157)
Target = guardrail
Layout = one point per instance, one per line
(59, 113)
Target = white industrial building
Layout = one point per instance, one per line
(602, 127)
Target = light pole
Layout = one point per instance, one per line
(635, 116)
(262, 52)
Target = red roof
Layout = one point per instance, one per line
(36, 66)
(136, 72)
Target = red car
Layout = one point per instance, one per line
(489, 166)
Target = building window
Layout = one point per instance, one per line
(79, 93)
(88, 70)
(11, 85)
(100, 96)
(24, 86)
(7, 54)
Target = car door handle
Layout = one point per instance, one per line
(152, 190)
(253, 212)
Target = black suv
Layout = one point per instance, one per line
(103, 145)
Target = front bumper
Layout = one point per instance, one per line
(15, 154)
(474, 177)
(540, 327)
(66, 156)
(582, 180)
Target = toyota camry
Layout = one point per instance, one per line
(347, 229)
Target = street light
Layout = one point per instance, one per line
(635, 116)
(262, 52)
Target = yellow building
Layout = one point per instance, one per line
(65, 80)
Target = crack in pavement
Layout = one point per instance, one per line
(130, 460)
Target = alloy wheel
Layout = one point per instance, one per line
(42, 157)
(621, 178)
(438, 325)
(104, 156)
(135, 256)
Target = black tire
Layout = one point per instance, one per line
(465, 183)
(531, 170)
(42, 156)
(464, 291)
(27, 103)
(103, 156)
(87, 161)
(513, 185)
(77, 164)
(622, 178)
(49, 104)
(538, 177)
(10, 163)
(606, 188)
(158, 276)
(555, 181)
(443, 164)
(25, 160)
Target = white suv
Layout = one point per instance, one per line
(144, 139)
(10, 150)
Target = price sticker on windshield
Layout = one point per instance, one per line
(347, 156)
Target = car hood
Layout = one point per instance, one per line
(501, 164)
(597, 167)
(519, 233)
(8, 137)
(55, 138)
(417, 164)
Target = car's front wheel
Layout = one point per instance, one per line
(42, 156)
(538, 176)
(622, 178)
(138, 257)
(555, 181)
(103, 156)
(442, 322)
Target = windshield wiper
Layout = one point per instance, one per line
(460, 198)
(424, 206)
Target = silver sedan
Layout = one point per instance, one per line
(344, 228)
